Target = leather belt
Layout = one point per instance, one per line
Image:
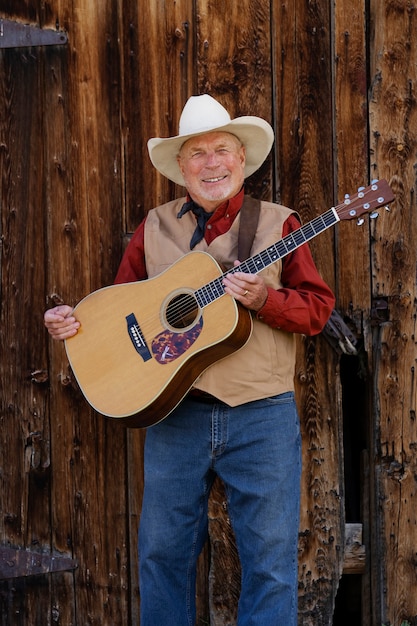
(202, 396)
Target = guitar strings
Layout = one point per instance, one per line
(183, 306)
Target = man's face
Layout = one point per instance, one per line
(213, 168)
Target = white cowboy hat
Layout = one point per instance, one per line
(203, 114)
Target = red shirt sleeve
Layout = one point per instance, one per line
(305, 302)
(133, 266)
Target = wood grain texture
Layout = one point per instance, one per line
(159, 77)
(337, 82)
(82, 187)
(393, 117)
(25, 434)
(234, 65)
(303, 104)
(351, 156)
(321, 542)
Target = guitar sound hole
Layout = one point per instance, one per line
(182, 311)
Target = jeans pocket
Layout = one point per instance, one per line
(282, 398)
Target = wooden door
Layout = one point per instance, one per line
(337, 84)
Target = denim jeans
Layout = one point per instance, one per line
(255, 448)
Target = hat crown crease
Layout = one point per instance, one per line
(201, 114)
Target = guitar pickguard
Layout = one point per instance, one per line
(169, 345)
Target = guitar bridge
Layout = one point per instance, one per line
(137, 338)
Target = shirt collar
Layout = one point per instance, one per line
(229, 208)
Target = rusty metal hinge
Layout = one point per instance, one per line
(17, 563)
(379, 311)
(17, 35)
(339, 335)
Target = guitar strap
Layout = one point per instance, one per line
(249, 216)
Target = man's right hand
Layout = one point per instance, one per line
(60, 322)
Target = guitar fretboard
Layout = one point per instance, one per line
(212, 291)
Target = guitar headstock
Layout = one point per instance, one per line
(366, 200)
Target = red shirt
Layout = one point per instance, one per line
(302, 305)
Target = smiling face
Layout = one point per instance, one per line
(212, 166)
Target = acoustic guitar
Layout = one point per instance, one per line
(142, 345)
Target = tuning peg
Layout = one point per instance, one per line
(360, 221)
(374, 181)
(387, 208)
(374, 215)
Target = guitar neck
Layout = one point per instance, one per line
(212, 291)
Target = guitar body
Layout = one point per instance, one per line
(135, 357)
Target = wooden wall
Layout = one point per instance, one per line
(337, 82)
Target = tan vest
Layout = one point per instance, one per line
(265, 365)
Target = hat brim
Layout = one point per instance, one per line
(255, 134)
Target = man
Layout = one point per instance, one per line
(240, 420)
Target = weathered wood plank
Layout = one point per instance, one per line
(393, 143)
(303, 100)
(63, 272)
(134, 441)
(83, 214)
(159, 76)
(321, 544)
(351, 137)
(26, 471)
(234, 66)
(303, 60)
(353, 276)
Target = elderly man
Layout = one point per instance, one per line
(239, 421)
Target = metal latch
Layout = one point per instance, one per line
(17, 35)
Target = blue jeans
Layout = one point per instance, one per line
(255, 448)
